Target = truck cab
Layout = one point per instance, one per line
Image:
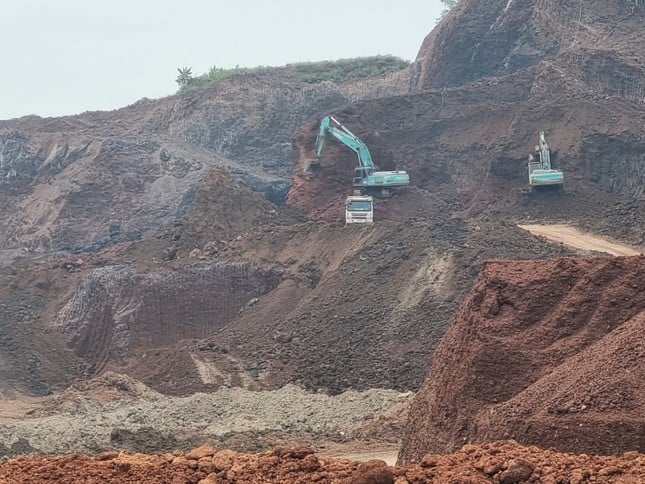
(359, 209)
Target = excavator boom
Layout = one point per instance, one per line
(345, 136)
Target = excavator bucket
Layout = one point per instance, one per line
(310, 166)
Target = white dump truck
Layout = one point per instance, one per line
(359, 209)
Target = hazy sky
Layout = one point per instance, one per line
(68, 56)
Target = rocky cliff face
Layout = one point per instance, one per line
(461, 120)
(84, 182)
(118, 312)
(490, 77)
(493, 38)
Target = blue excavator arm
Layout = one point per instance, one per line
(545, 154)
(345, 136)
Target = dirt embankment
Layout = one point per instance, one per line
(275, 298)
(548, 353)
(501, 462)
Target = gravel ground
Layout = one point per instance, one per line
(85, 424)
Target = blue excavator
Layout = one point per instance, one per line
(540, 171)
(367, 179)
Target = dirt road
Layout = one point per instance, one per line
(573, 237)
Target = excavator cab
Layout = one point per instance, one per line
(361, 175)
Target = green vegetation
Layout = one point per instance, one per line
(447, 6)
(143, 100)
(28, 117)
(347, 69)
(310, 72)
(187, 82)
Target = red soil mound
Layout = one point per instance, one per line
(501, 462)
(545, 352)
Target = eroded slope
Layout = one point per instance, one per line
(548, 353)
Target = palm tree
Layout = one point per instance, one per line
(185, 76)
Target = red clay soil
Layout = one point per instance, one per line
(500, 462)
(548, 353)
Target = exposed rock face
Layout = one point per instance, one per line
(490, 77)
(491, 38)
(83, 189)
(548, 353)
(481, 39)
(145, 162)
(118, 312)
(85, 182)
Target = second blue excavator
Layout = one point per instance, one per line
(541, 173)
(367, 178)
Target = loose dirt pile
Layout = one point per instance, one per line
(501, 462)
(275, 298)
(96, 417)
(549, 353)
